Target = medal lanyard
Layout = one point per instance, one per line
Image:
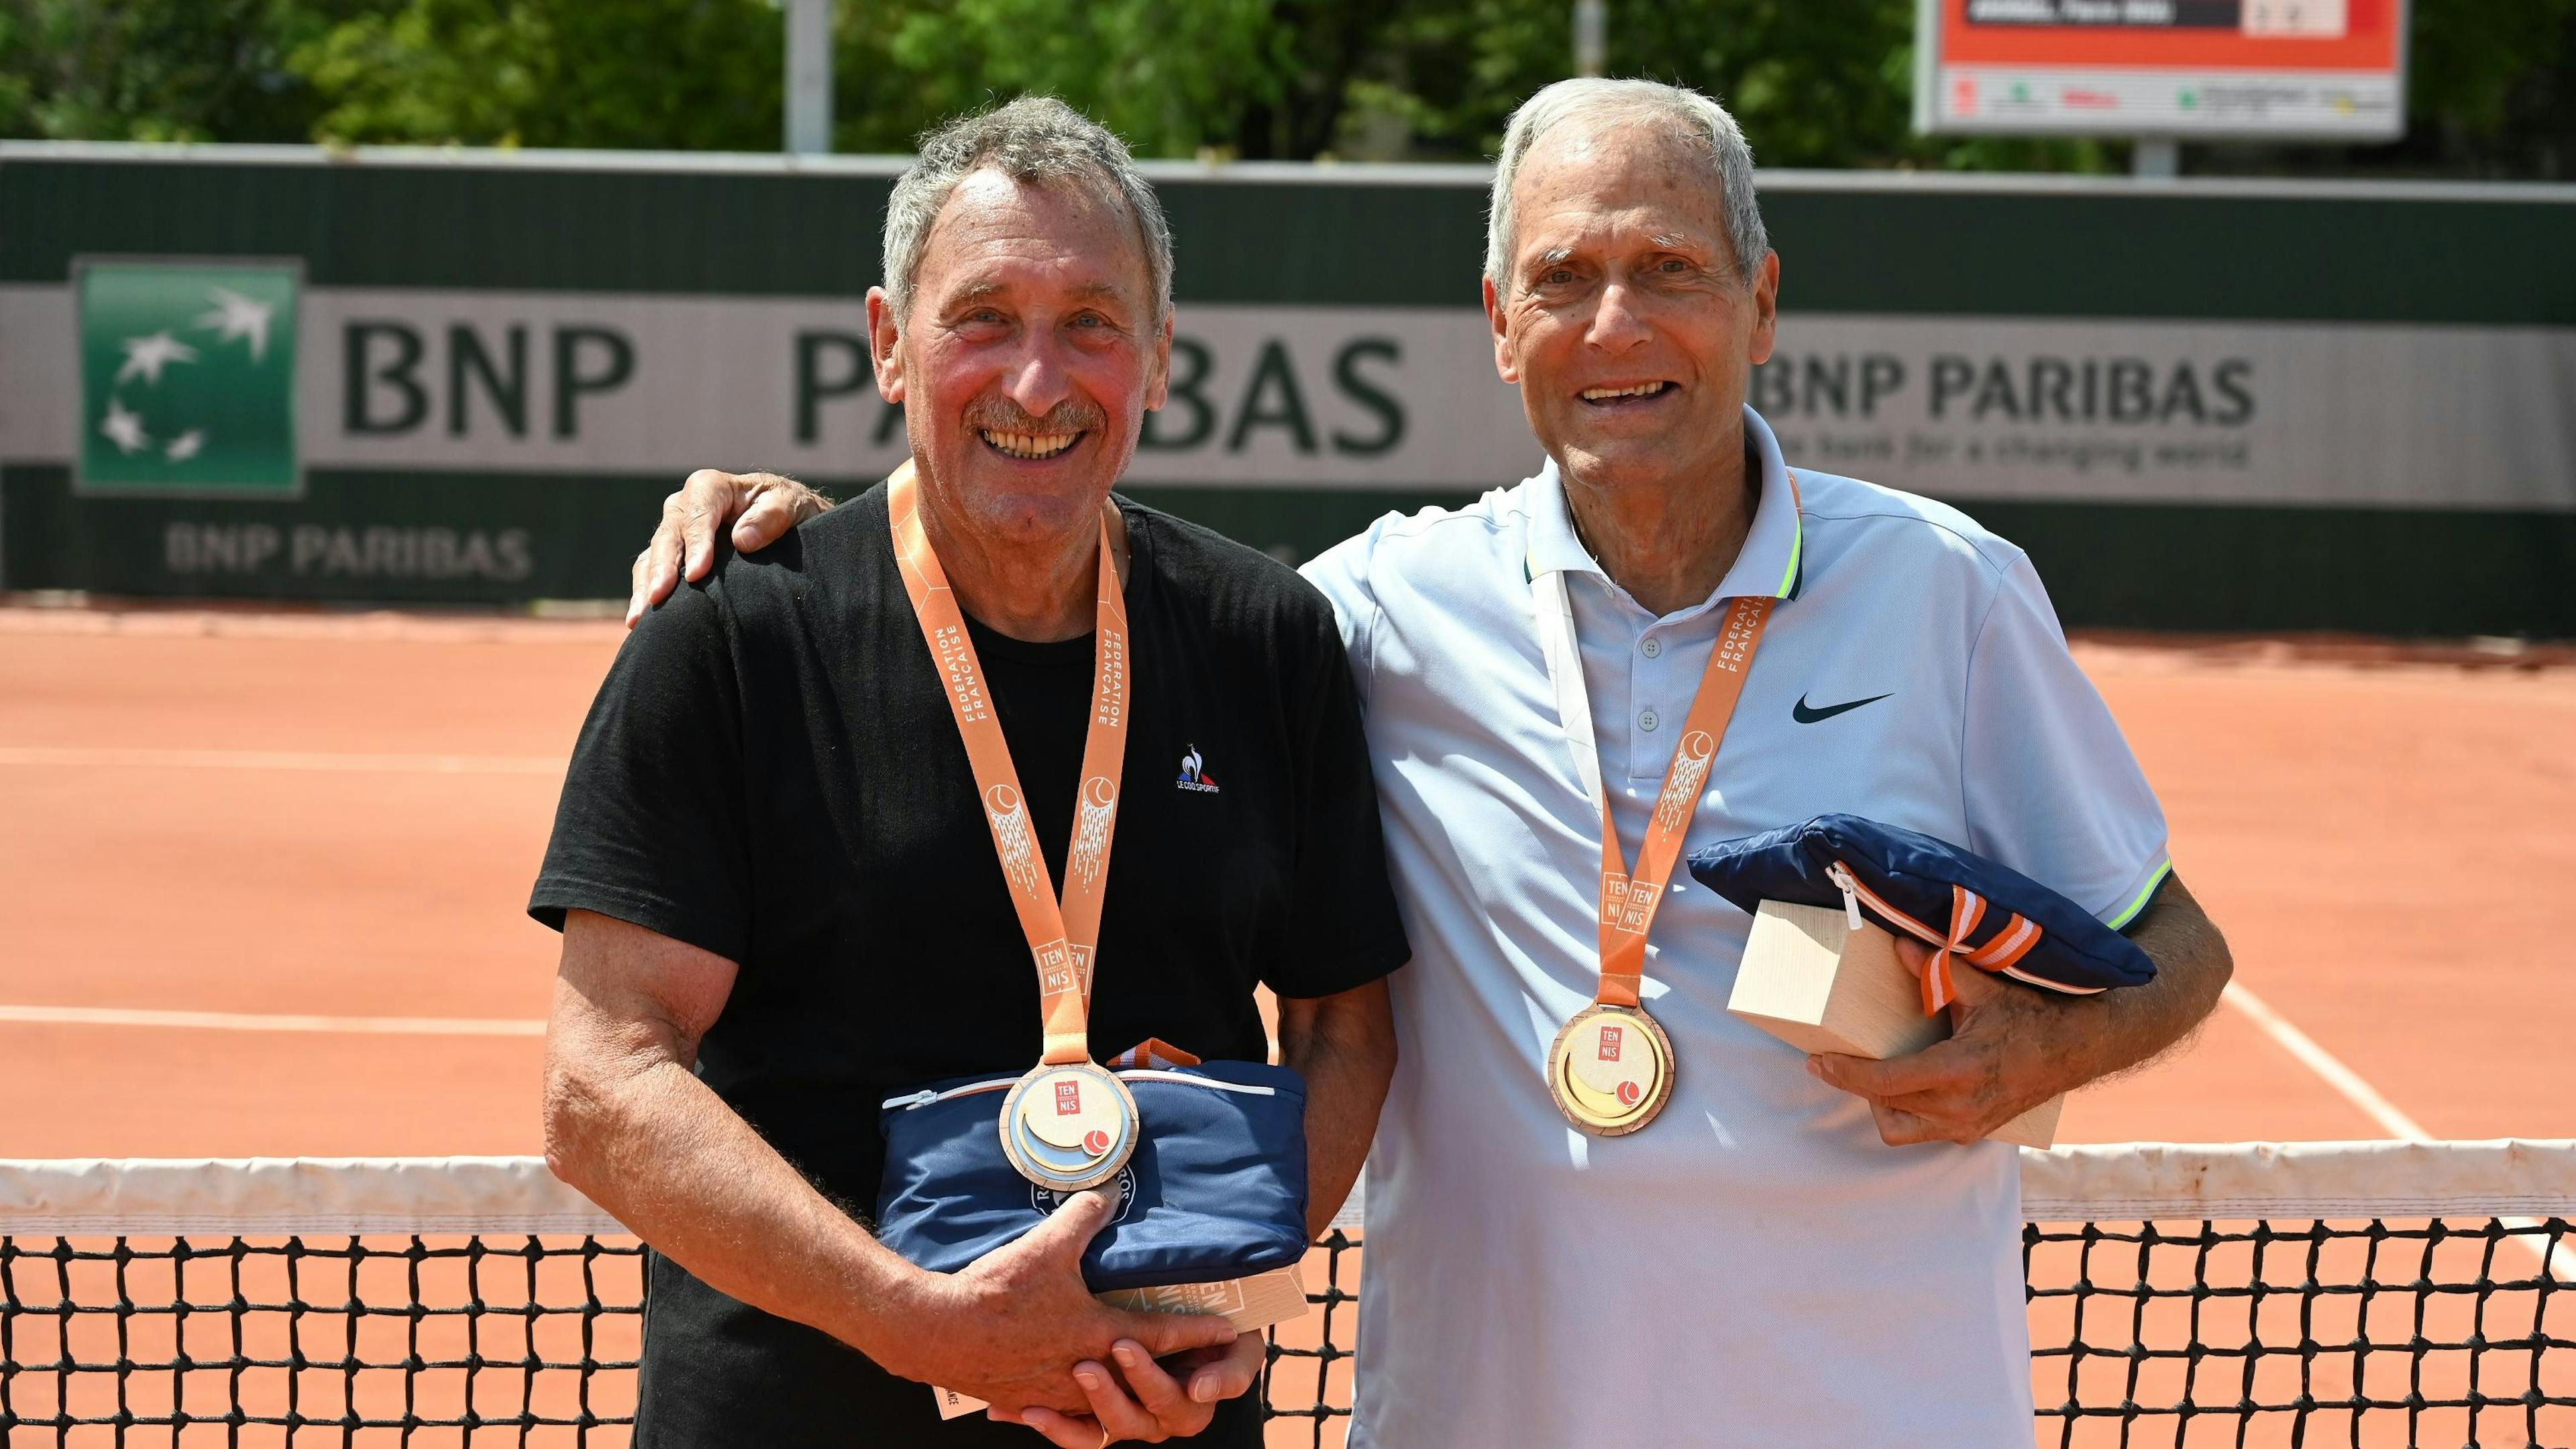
(1628, 901)
(1062, 937)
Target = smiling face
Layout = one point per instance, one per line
(1623, 317)
(1031, 356)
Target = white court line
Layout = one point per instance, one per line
(2559, 1259)
(253, 1021)
(138, 758)
(2325, 1064)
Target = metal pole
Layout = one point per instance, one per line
(1591, 35)
(809, 77)
(2155, 158)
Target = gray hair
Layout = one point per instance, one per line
(1699, 121)
(1034, 139)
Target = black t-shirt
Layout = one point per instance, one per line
(771, 772)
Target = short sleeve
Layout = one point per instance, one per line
(2052, 789)
(652, 827)
(1343, 929)
(1340, 574)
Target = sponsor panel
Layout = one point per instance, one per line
(1403, 399)
(2302, 423)
(1975, 408)
(395, 537)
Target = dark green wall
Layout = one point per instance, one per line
(2190, 253)
(2079, 253)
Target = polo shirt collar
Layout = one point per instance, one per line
(1767, 565)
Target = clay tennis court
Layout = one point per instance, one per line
(262, 875)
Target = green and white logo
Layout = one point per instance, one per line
(188, 378)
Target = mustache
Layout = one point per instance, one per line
(1065, 417)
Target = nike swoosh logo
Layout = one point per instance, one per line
(1804, 715)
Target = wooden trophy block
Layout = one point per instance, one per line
(1811, 980)
(1248, 1303)
(2034, 1128)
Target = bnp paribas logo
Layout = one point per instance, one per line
(188, 378)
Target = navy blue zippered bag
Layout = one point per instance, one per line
(1915, 873)
(1216, 1190)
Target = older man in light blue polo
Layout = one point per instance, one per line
(1796, 1251)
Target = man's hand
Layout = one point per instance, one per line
(2008, 1051)
(2013, 1047)
(1013, 1326)
(760, 506)
(1162, 1406)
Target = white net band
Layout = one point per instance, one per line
(269, 1196)
(2109, 1182)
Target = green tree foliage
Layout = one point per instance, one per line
(1165, 74)
(160, 70)
(1325, 48)
(2493, 86)
(693, 74)
(1816, 82)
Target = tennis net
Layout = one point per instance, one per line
(2362, 1293)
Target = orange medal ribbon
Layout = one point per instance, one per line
(1628, 900)
(1062, 936)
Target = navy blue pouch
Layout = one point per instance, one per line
(1216, 1190)
(2036, 934)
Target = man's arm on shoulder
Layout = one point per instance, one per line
(760, 507)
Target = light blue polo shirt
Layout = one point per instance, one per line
(1755, 1267)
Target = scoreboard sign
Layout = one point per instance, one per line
(2281, 69)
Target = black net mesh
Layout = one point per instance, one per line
(1307, 1387)
(2367, 1332)
(309, 1341)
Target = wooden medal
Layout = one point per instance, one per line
(1069, 1127)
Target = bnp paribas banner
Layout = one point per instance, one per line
(2199, 407)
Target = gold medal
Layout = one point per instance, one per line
(1610, 1070)
(1069, 1127)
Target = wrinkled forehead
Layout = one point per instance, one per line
(1622, 181)
(1068, 238)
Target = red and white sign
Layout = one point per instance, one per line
(2320, 69)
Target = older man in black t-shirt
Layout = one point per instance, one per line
(781, 902)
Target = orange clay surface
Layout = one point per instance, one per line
(338, 816)
(334, 819)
